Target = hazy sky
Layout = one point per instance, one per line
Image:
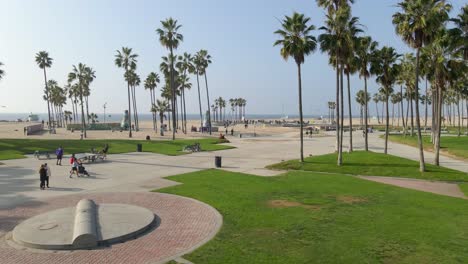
(238, 34)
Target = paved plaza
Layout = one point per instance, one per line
(186, 223)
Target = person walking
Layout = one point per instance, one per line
(74, 166)
(48, 174)
(59, 153)
(42, 176)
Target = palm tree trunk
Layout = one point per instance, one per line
(185, 111)
(83, 121)
(173, 96)
(393, 114)
(402, 111)
(466, 105)
(425, 109)
(350, 115)
(458, 111)
(377, 112)
(412, 117)
(300, 110)
(438, 126)
(387, 121)
(208, 101)
(341, 107)
(48, 103)
(340, 158)
(199, 102)
(366, 111)
(129, 112)
(422, 165)
(87, 108)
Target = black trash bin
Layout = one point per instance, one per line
(218, 161)
(139, 147)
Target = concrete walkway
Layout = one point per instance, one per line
(134, 172)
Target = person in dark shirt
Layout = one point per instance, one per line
(42, 176)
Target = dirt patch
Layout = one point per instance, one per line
(350, 199)
(287, 204)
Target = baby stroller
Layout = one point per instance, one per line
(82, 170)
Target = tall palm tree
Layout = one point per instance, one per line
(2, 72)
(127, 60)
(83, 76)
(134, 80)
(335, 41)
(364, 52)
(203, 59)
(151, 83)
(185, 66)
(417, 24)
(44, 61)
(297, 42)
(385, 66)
(170, 38)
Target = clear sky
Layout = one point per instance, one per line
(238, 34)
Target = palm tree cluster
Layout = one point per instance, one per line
(237, 108)
(440, 59)
(77, 90)
(81, 78)
(174, 80)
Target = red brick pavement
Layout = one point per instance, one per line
(185, 224)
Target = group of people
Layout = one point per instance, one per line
(77, 168)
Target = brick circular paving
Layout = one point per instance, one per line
(184, 224)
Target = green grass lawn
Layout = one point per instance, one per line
(464, 188)
(372, 164)
(16, 148)
(306, 217)
(456, 146)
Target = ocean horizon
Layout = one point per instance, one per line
(117, 117)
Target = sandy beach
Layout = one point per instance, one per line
(15, 130)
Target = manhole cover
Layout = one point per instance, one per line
(48, 226)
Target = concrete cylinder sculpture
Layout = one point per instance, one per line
(85, 230)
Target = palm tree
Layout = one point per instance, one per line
(331, 110)
(297, 42)
(385, 67)
(68, 116)
(376, 98)
(364, 52)
(335, 41)
(2, 72)
(185, 66)
(151, 83)
(127, 60)
(44, 61)
(93, 117)
(160, 108)
(459, 34)
(170, 38)
(83, 76)
(362, 98)
(134, 80)
(203, 59)
(417, 24)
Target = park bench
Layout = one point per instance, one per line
(90, 157)
(192, 148)
(44, 154)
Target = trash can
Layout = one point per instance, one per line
(139, 148)
(218, 161)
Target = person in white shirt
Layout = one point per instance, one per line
(49, 173)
